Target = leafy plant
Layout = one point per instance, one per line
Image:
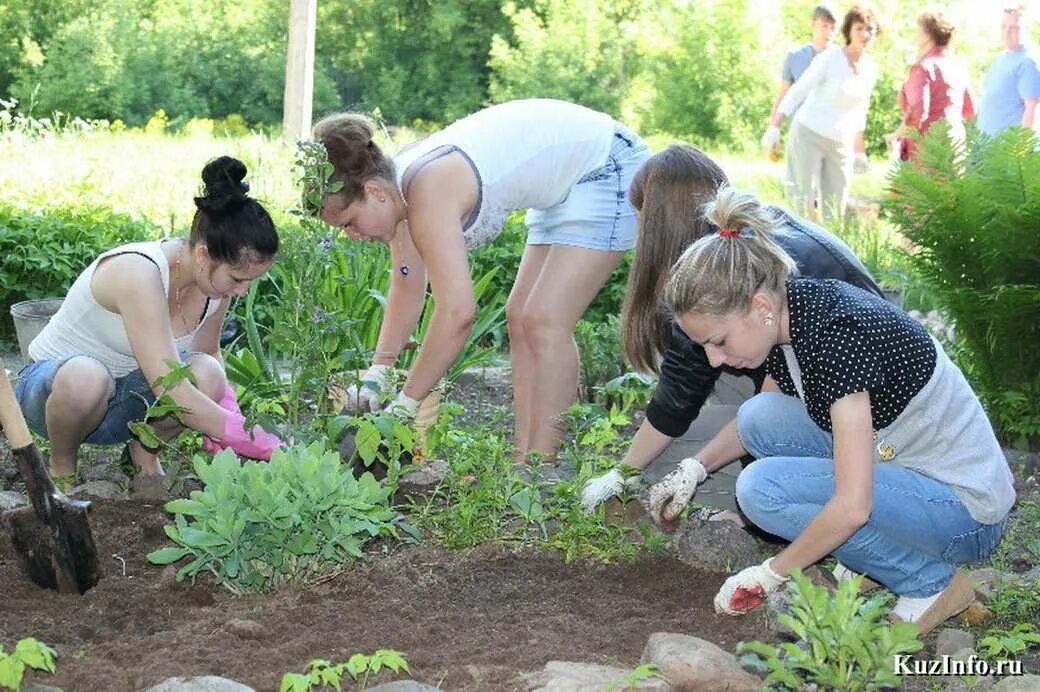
(258, 525)
(1005, 644)
(641, 673)
(28, 653)
(384, 438)
(360, 667)
(1016, 601)
(599, 354)
(972, 213)
(849, 643)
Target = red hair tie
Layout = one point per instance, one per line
(729, 233)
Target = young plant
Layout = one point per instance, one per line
(28, 653)
(360, 667)
(849, 643)
(258, 525)
(641, 673)
(1004, 644)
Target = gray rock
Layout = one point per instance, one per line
(952, 641)
(148, 488)
(403, 686)
(103, 472)
(568, 676)
(1018, 683)
(247, 629)
(489, 378)
(38, 687)
(205, 683)
(102, 490)
(423, 479)
(986, 581)
(10, 499)
(715, 546)
(689, 663)
(1023, 463)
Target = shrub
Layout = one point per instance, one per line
(258, 525)
(45, 250)
(972, 215)
(28, 653)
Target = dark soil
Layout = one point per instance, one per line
(473, 619)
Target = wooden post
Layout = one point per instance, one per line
(299, 70)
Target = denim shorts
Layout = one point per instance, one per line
(596, 214)
(130, 400)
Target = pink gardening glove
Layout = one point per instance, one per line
(228, 402)
(255, 444)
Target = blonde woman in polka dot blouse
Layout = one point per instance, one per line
(869, 443)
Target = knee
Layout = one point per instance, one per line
(209, 376)
(82, 383)
(515, 319)
(543, 334)
(757, 489)
(757, 418)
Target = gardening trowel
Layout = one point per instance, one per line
(52, 538)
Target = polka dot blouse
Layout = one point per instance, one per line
(847, 341)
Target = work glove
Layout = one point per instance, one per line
(748, 589)
(403, 406)
(229, 402)
(771, 139)
(676, 489)
(860, 164)
(367, 395)
(255, 444)
(600, 489)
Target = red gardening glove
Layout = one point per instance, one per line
(255, 444)
(228, 402)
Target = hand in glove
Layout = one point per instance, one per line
(860, 164)
(600, 489)
(676, 489)
(228, 402)
(771, 139)
(747, 589)
(367, 395)
(255, 444)
(403, 406)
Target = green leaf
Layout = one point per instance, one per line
(166, 556)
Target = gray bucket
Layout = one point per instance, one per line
(30, 317)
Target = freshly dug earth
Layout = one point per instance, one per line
(465, 620)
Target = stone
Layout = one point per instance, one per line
(569, 676)
(247, 629)
(423, 479)
(10, 499)
(689, 663)
(146, 487)
(102, 490)
(403, 686)
(986, 582)
(38, 687)
(204, 683)
(715, 546)
(489, 378)
(951, 640)
(1018, 683)
(1022, 463)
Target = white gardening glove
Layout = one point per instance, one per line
(771, 139)
(748, 589)
(860, 164)
(600, 489)
(367, 395)
(677, 488)
(403, 406)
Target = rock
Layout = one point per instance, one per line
(976, 614)
(102, 490)
(689, 663)
(9, 499)
(247, 629)
(103, 472)
(146, 487)
(567, 676)
(1022, 463)
(715, 546)
(491, 378)
(38, 687)
(986, 582)
(403, 686)
(952, 640)
(205, 683)
(423, 479)
(1018, 683)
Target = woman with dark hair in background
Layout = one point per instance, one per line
(936, 89)
(95, 367)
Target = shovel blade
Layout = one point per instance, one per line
(60, 556)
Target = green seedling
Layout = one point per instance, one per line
(360, 667)
(28, 653)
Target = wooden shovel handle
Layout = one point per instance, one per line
(11, 415)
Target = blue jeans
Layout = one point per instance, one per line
(918, 530)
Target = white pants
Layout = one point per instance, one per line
(819, 172)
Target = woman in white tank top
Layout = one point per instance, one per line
(569, 166)
(138, 307)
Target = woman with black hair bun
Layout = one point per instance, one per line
(139, 307)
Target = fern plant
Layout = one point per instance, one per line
(972, 212)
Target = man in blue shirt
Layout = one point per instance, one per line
(1011, 86)
(797, 61)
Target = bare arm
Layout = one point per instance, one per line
(130, 285)
(1029, 114)
(404, 302)
(851, 504)
(646, 446)
(784, 86)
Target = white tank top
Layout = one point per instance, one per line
(527, 154)
(82, 325)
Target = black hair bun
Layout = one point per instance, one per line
(224, 186)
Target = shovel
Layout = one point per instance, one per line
(54, 543)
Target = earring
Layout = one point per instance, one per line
(769, 320)
(382, 200)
